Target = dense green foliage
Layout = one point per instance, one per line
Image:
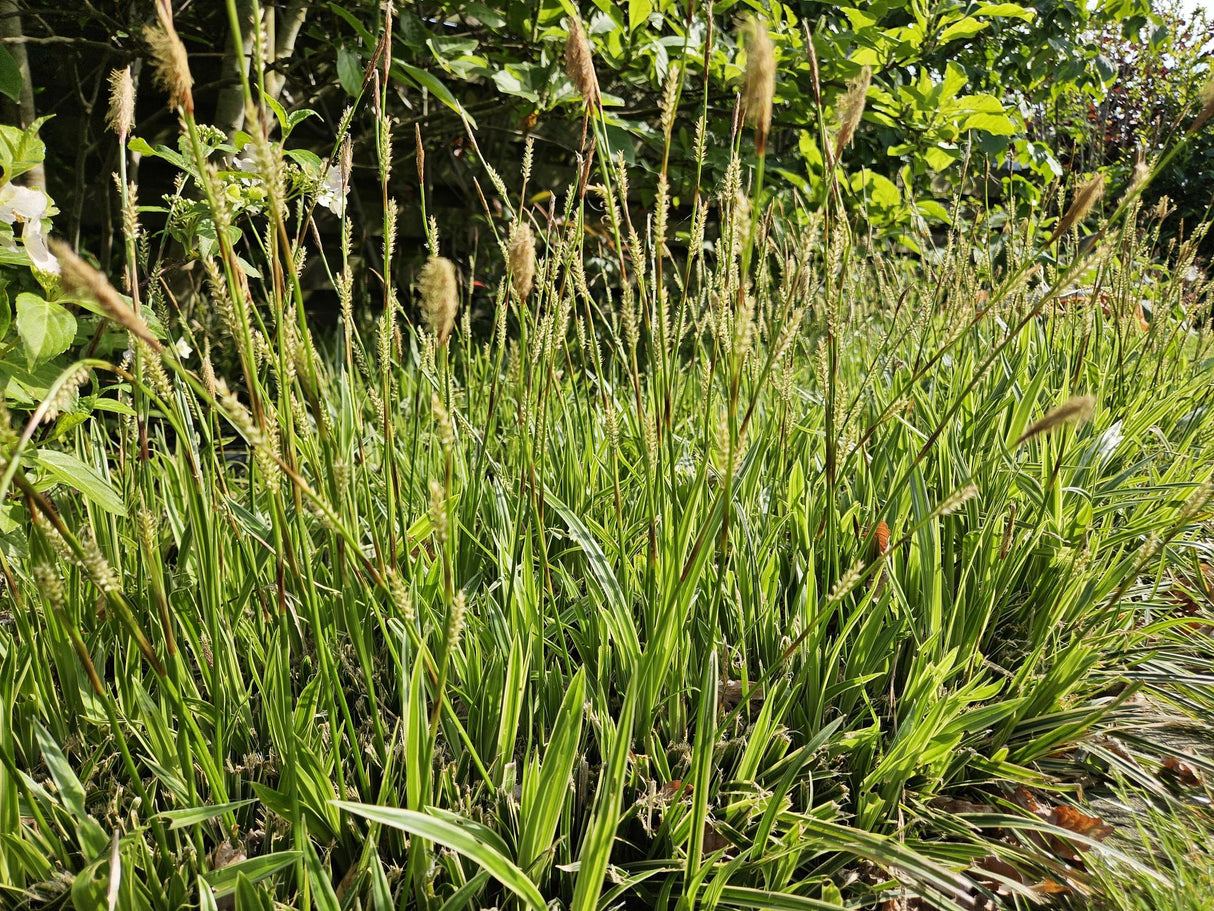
(740, 562)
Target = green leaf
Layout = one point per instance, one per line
(21, 150)
(966, 28)
(431, 83)
(1006, 11)
(349, 70)
(10, 75)
(939, 159)
(71, 472)
(997, 124)
(619, 616)
(46, 328)
(638, 13)
(542, 804)
(456, 839)
(223, 880)
(6, 312)
(877, 189)
(193, 815)
(92, 838)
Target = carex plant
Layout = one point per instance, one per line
(711, 574)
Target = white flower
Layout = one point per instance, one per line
(247, 164)
(21, 204)
(183, 349)
(36, 249)
(331, 194)
(28, 206)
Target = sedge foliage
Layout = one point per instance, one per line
(716, 578)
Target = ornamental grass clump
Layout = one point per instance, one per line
(730, 572)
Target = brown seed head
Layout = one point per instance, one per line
(440, 297)
(760, 82)
(1072, 411)
(82, 278)
(121, 115)
(169, 59)
(522, 259)
(579, 64)
(851, 109)
(1085, 199)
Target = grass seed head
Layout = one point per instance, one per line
(440, 297)
(522, 259)
(82, 278)
(759, 86)
(851, 109)
(169, 59)
(579, 64)
(1072, 411)
(121, 114)
(1085, 200)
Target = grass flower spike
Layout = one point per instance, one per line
(579, 64)
(759, 86)
(440, 297)
(169, 59)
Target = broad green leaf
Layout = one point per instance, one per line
(349, 70)
(1006, 11)
(966, 28)
(46, 328)
(71, 472)
(456, 839)
(10, 75)
(638, 13)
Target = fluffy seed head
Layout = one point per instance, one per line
(1072, 411)
(169, 58)
(79, 276)
(522, 259)
(1085, 199)
(440, 297)
(579, 64)
(121, 115)
(851, 109)
(760, 81)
